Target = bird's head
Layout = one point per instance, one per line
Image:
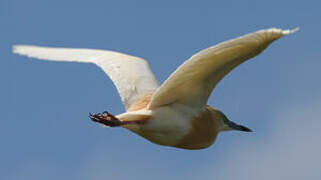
(227, 125)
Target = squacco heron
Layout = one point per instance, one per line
(174, 113)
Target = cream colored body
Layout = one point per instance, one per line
(175, 125)
(174, 113)
(166, 126)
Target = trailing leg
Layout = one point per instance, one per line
(106, 119)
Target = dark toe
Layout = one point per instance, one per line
(105, 118)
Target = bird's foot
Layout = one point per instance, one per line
(106, 119)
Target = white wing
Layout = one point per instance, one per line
(192, 83)
(131, 75)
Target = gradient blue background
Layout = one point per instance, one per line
(45, 132)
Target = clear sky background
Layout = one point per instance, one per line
(45, 132)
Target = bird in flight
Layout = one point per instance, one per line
(174, 113)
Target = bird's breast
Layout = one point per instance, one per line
(203, 132)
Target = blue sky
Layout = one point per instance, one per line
(45, 131)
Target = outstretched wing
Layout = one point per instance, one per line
(192, 83)
(131, 75)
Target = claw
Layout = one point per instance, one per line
(106, 119)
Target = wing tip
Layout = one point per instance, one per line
(290, 31)
(19, 49)
(283, 32)
(15, 49)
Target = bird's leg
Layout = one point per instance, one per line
(106, 119)
(110, 120)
